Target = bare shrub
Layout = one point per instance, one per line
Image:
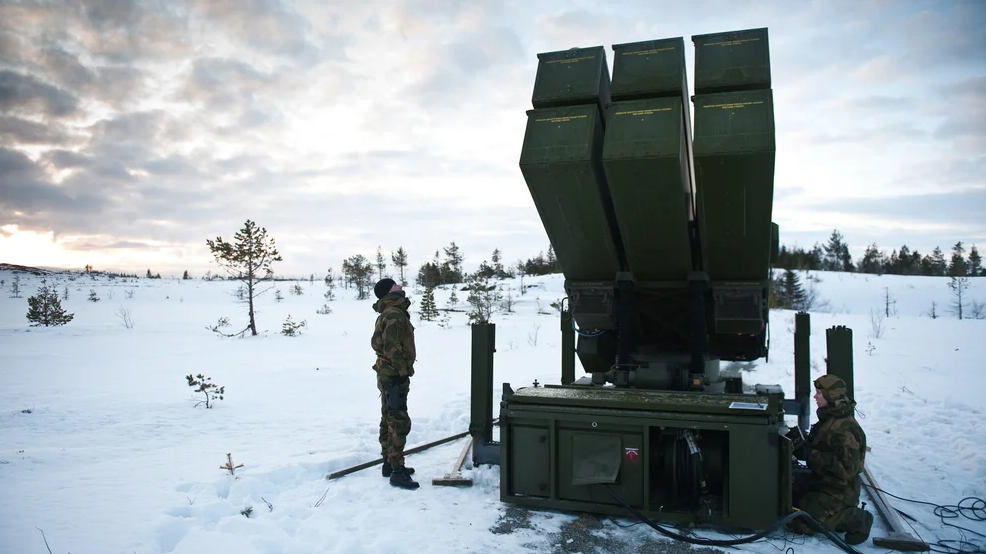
(126, 317)
(877, 324)
(977, 310)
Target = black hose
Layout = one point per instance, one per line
(744, 540)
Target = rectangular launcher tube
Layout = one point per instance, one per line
(734, 174)
(561, 162)
(732, 61)
(646, 164)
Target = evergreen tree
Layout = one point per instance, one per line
(794, 292)
(428, 311)
(934, 264)
(798, 258)
(957, 267)
(908, 263)
(892, 264)
(360, 273)
(787, 292)
(430, 274)
(486, 270)
(453, 264)
(381, 264)
(44, 308)
(399, 259)
(975, 262)
(330, 285)
(248, 260)
(914, 267)
(873, 261)
(497, 260)
(347, 274)
(832, 261)
(483, 298)
(552, 260)
(813, 259)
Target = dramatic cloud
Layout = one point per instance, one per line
(26, 94)
(133, 131)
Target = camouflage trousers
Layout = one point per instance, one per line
(830, 510)
(395, 423)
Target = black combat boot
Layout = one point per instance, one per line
(401, 478)
(386, 469)
(859, 531)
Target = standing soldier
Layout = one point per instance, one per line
(837, 452)
(393, 342)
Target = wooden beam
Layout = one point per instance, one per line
(899, 538)
(455, 479)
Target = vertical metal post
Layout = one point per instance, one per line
(839, 361)
(567, 348)
(484, 450)
(802, 367)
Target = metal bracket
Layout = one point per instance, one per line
(485, 453)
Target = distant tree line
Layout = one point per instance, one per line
(445, 268)
(835, 256)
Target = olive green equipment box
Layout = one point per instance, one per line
(561, 446)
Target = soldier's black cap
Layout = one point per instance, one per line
(383, 287)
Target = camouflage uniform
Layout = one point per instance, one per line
(837, 453)
(393, 342)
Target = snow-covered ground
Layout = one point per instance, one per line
(103, 449)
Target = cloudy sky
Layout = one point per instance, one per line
(131, 132)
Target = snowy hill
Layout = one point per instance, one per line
(103, 448)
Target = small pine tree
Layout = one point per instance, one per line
(330, 284)
(787, 292)
(248, 259)
(958, 286)
(292, 328)
(359, 271)
(428, 311)
(483, 298)
(207, 388)
(793, 290)
(44, 308)
(400, 260)
(381, 264)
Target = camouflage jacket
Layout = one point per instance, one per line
(393, 337)
(838, 444)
